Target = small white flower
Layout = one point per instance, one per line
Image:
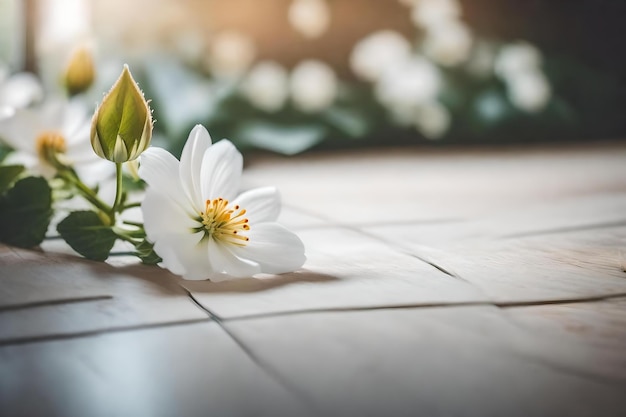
(266, 86)
(313, 86)
(309, 17)
(378, 51)
(516, 58)
(407, 85)
(200, 227)
(55, 130)
(529, 91)
(19, 90)
(230, 54)
(432, 120)
(480, 63)
(432, 13)
(449, 43)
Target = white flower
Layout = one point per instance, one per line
(266, 86)
(309, 17)
(431, 13)
(313, 86)
(516, 58)
(529, 91)
(432, 120)
(230, 54)
(480, 63)
(19, 90)
(449, 43)
(378, 51)
(407, 85)
(55, 130)
(200, 227)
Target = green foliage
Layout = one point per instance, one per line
(25, 209)
(145, 252)
(8, 175)
(87, 234)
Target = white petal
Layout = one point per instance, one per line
(159, 169)
(191, 161)
(163, 216)
(20, 131)
(274, 247)
(75, 122)
(184, 254)
(120, 153)
(225, 261)
(261, 204)
(221, 171)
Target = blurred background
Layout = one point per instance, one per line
(290, 76)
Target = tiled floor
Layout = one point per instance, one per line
(451, 282)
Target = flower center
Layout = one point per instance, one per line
(225, 223)
(49, 145)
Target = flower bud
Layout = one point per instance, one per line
(121, 127)
(80, 72)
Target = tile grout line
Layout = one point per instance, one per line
(402, 249)
(501, 305)
(90, 333)
(271, 372)
(61, 301)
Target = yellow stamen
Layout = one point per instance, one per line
(225, 223)
(49, 145)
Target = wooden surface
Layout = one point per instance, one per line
(454, 282)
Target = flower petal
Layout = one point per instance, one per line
(191, 162)
(159, 169)
(221, 171)
(261, 204)
(184, 254)
(162, 216)
(225, 261)
(274, 247)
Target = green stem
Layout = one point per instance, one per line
(88, 193)
(131, 205)
(136, 224)
(117, 205)
(123, 254)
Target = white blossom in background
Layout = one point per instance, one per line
(19, 90)
(432, 119)
(189, 45)
(199, 224)
(230, 54)
(55, 129)
(313, 86)
(408, 84)
(529, 91)
(517, 58)
(378, 51)
(266, 86)
(519, 66)
(309, 17)
(432, 13)
(481, 60)
(448, 43)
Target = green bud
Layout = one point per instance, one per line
(80, 72)
(121, 127)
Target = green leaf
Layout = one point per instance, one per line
(145, 252)
(8, 175)
(87, 234)
(25, 212)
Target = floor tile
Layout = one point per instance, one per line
(469, 361)
(192, 370)
(344, 269)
